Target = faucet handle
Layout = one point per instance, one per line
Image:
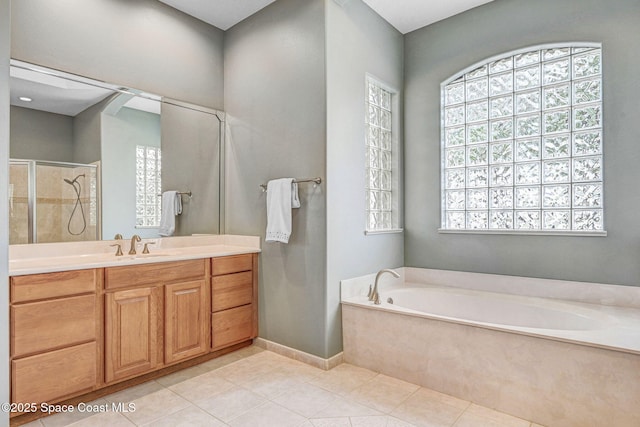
(146, 248)
(119, 250)
(117, 237)
(370, 293)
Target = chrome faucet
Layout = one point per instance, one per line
(134, 239)
(373, 293)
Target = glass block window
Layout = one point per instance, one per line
(148, 186)
(522, 142)
(380, 211)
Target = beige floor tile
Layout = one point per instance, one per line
(331, 422)
(246, 369)
(182, 375)
(156, 405)
(188, 417)
(35, 423)
(307, 400)
(202, 387)
(130, 394)
(268, 415)
(429, 408)
(272, 384)
(383, 393)
(220, 362)
(344, 407)
(301, 371)
(479, 416)
(378, 421)
(344, 378)
(104, 419)
(231, 403)
(65, 418)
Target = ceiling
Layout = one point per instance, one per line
(67, 94)
(404, 15)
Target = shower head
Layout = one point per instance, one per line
(74, 179)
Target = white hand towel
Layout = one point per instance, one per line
(280, 200)
(171, 206)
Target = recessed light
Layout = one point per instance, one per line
(25, 99)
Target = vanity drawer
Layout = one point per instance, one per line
(51, 376)
(231, 326)
(231, 264)
(231, 290)
(46, 325)
(146, 274)
(52, 285)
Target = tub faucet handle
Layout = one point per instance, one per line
(370, 292)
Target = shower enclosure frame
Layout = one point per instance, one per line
(32, 233)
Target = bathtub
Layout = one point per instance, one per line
(569, 360)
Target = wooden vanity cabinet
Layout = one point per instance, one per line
(74, 332)
(234, 299)
(56, 335)
(154, 316)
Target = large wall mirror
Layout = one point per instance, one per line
(90, 159)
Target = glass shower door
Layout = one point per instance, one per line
(53, 202)
(20, 187)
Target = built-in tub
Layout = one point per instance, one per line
(555, 361)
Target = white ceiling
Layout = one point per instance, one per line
(409, 15)
(404, 15)
(223, 14)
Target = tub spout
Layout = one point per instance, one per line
(374, 294)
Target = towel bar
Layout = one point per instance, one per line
(316, 181)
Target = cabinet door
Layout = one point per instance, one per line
(231, 326)
(185, 320)
(132, 334)
(48, 377)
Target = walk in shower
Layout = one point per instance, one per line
(53, 202)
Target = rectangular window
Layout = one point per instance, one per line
(148, 186)
(381, 159)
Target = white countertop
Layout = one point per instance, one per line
(47, 258)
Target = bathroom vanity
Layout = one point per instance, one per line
(83, 323)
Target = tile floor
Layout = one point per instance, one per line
(253, 387)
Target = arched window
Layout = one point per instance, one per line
(522, 142)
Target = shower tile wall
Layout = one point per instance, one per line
(55, 201)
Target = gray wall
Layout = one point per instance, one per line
(358, 42)
(143, 44)
(87, 131)
(40, 135)
(436, 52)
(276, 118)
(5, 35)
(191, 162)
(122, 130)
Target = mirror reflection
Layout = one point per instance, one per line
(86, 159)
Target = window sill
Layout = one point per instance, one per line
(528, 233)
(390, 231)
